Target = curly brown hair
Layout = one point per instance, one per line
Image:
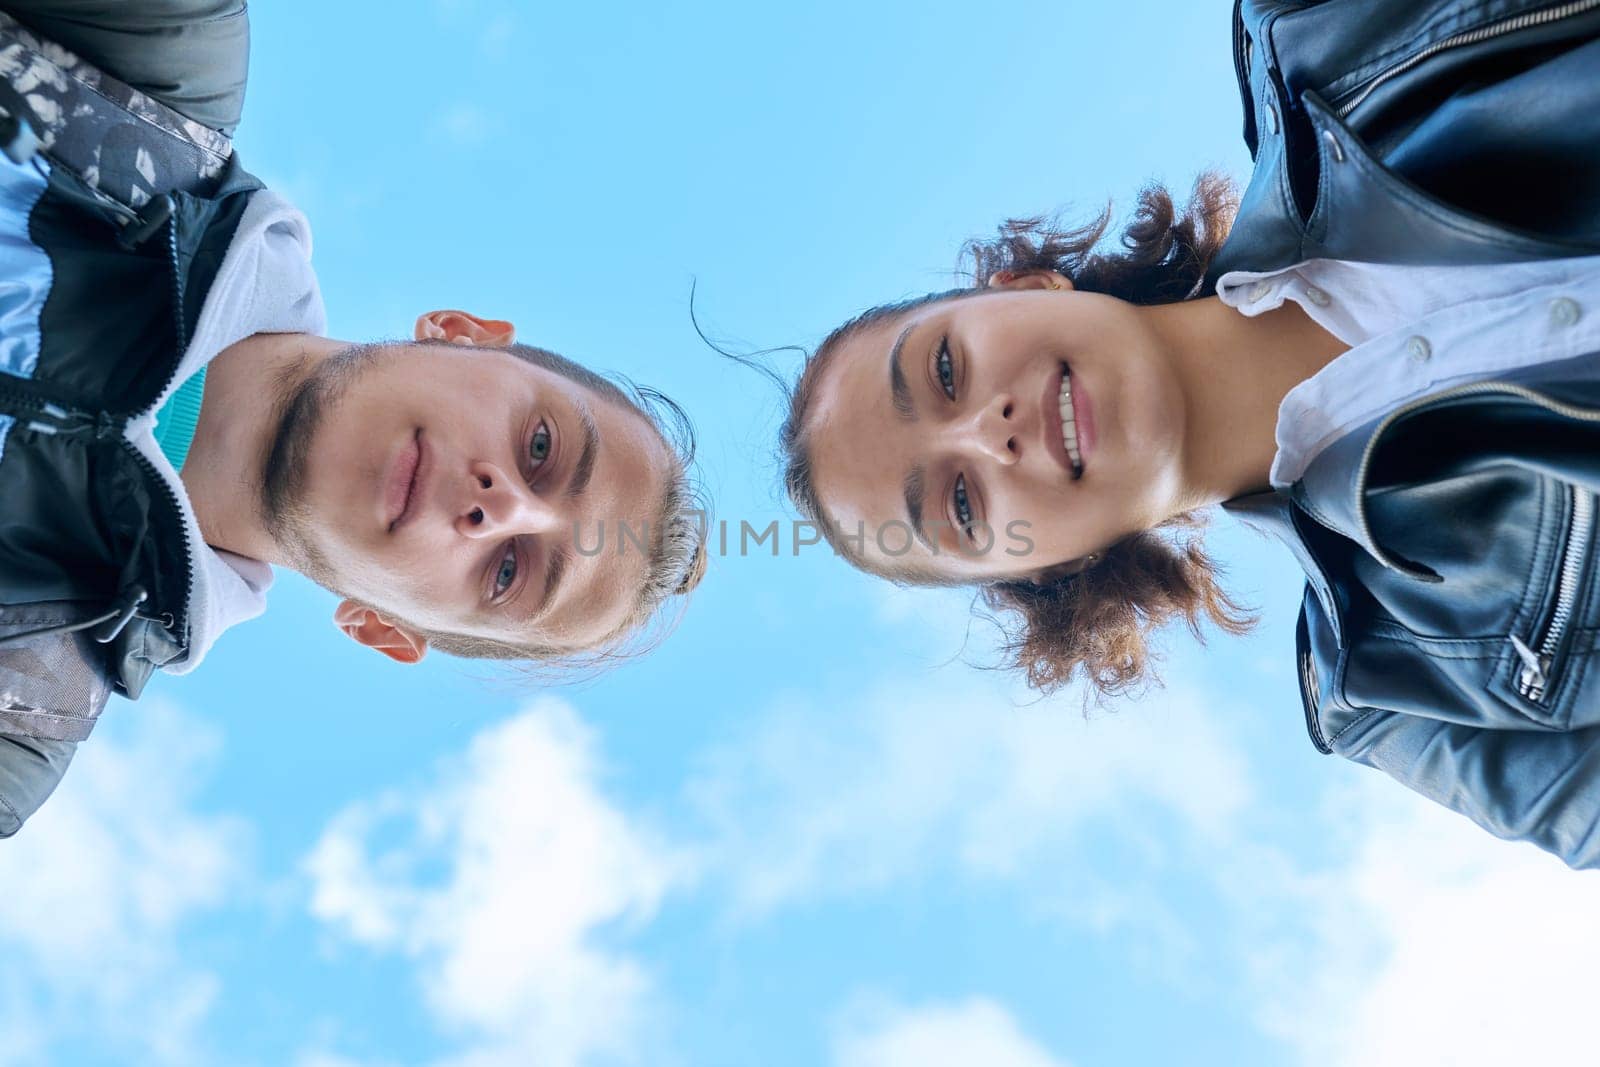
(1097, 621)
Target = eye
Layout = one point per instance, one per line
(962, 506)
(539, 445)
(506, 573)
(945, 368)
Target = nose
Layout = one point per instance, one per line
(992, 431)
(500, 505)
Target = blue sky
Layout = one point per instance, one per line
(805, 831)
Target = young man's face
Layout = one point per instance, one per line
(449, 489)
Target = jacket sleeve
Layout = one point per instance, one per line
(52, 691)
(192, 55)
(30, 767)
(1516, 784)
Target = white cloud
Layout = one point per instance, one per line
(25, 1041)
(1437, 943)
(98, 886)
(499, 878)
(324, 1059)
(971, 1033)
(948, 768)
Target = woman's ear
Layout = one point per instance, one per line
(460, 328)
(1030, 279)
(367, 627)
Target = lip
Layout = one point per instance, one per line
(1053, 442)
(1083, 419)
(401, 482)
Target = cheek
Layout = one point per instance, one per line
(1063, 529)
(414, 582)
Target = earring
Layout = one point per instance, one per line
(1054, 284)
(1091, 559)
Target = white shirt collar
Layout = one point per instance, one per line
(1414, 330)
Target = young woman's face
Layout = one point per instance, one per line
(997, 435)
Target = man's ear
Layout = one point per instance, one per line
(367, 627)
(1031, 279)
(460, 328)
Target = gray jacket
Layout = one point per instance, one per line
(191, 55)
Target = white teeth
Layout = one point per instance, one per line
(1069, 429)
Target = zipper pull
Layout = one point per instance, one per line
(143, 226)
(1534, 665)
(53, 419)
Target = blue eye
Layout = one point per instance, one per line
(539, 445)
(507, 572)
(946, 369)
(963, 507)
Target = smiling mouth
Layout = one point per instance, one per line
(400, 488)
(1069, 423)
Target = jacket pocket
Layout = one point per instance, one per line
(1550, 650)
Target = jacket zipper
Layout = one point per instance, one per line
(1482, 33)
(1308, 686)
(43, 416)
(1534, 678)
(46, 417)
(181, 333)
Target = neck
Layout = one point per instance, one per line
(1236, 370)
(246, 386)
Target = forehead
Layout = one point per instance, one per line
(634, 470)
(859, 448)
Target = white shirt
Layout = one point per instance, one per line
(1413, 331)
(265, 285)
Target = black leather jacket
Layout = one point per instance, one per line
(1417, 131)
(1451, 617)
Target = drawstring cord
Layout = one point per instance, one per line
(106, 626)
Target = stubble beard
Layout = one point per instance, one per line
(306, 400)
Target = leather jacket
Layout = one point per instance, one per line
(1452, 607)
(1417, 131)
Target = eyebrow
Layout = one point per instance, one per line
(583, 470)
(915, 489)
(553, 574)
(899, 388)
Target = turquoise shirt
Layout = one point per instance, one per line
(178, 417)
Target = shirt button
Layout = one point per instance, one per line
(1564, 311)
(1419, 349)
(1318, 297)
(1260, 290)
